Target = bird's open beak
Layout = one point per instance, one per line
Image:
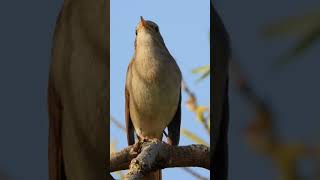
(143, 22)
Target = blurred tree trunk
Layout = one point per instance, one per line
(220, 54)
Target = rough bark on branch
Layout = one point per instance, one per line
(146, 156)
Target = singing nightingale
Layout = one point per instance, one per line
(152, 90)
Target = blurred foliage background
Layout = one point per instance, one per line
(261, 132)
(276, 136)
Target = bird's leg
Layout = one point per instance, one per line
(169, 141)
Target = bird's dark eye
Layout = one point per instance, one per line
(156, 28)
(136, 32)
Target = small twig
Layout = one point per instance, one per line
(193, 137)
(193, 173)
(117, 123)
(193, 106)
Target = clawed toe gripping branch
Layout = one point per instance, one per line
(146, 156)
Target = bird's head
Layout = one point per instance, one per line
(148, 34)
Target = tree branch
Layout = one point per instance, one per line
(149, 155)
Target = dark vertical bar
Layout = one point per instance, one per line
(220, 54)
(107, 20)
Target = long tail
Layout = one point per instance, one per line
(155, 175)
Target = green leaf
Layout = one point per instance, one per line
(204, 70)
(193, 137)
(298, 25)
(206, 74)
(305, 43)
(305, 27)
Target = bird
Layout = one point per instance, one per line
(152, 90)
(78, 97)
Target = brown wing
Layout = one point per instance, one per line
(174, 126)
(129, 125)
(55, 147)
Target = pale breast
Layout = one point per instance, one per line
(154, 96)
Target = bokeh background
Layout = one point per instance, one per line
(185, 29)
(274, 86)
(26, 33)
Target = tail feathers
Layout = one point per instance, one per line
(155, 175)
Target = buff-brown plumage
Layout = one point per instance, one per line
(153, 89)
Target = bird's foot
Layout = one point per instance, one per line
(147, 139)
(169, 141)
